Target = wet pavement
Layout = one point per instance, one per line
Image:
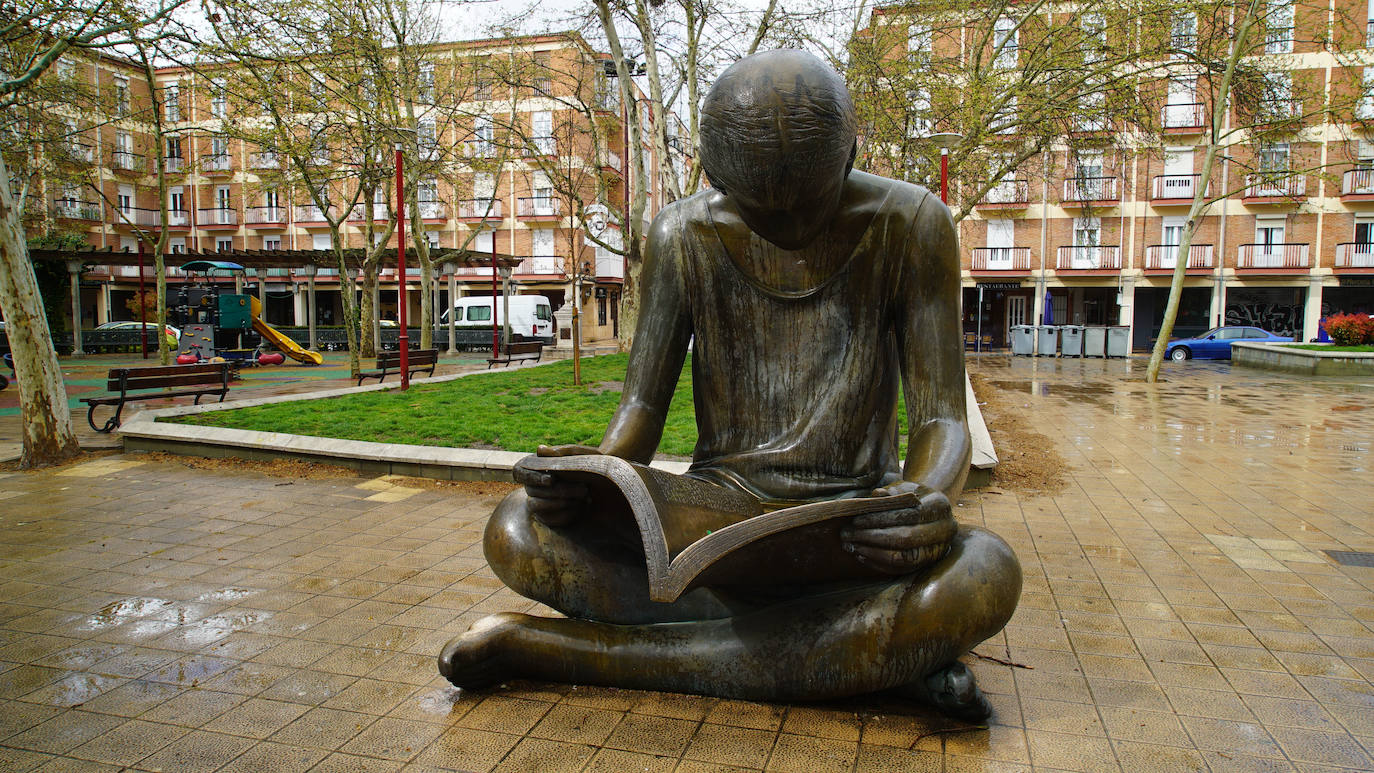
(1180, 611)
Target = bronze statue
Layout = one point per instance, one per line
(807, 290)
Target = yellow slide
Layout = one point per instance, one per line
(288, 347)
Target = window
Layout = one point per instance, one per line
(483, 186)
(271, 242)
(1172, 233)
(1092, 112)
(479, 314)
(174, 148)
(543, 194)
(1364, 109)
(177, 245)
(542, 243)
(484, 134)
(1094, 36)
(1004, 42)
(224, 244)
(427, 138)
(483, 242)
(1087, 240)
(919, 38)
(1089, 177)
(124, 157)
(1278, 27)
(271, 200)
(541, 122)
(171, 102)
(219, 99)
(125, 200)
(321, 242)
(919, 123)
(1001, 242)
(601, 306)
(176, 200)
(1276, 102)
(1183, 34)
(426, 80)
(1004, 121)
(1269, 249)
(432, 239)
(121, 95)
(542, 82)
(1273, 158)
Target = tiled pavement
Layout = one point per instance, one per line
(1179, 613)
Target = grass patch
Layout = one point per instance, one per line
(514, 410)
(1367, 348)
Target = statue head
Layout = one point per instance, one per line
(778, 139)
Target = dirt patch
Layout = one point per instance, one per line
(301, 470)
(601, 387)
(1027, 461)
(537, 391)
(81, 458)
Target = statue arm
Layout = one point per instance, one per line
(929, 337)
(660, 346)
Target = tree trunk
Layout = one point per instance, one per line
(426, 302)
(369, 310)
(45, 418)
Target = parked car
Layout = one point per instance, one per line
(1215, 344)
(173, 334)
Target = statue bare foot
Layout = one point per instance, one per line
(952, 691)
(474, 661)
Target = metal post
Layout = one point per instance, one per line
(944, 175)
(452, 270)
(978, 342)
(142, 303)
(403, 339)
(74, 268)
(495, 331)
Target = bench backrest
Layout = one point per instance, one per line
(391, 360)
(524, 347)
(168, 376)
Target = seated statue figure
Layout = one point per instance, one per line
(807, 293)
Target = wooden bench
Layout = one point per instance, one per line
(203, 379)
(524, 350)
(390, 362)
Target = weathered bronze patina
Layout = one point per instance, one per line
(809, 292)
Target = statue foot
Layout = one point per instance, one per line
(473, 661)
(952, 691)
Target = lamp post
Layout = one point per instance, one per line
(944, 141)
(402, 338)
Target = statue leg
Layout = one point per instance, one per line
(839, 643)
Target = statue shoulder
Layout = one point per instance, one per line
(684, 214)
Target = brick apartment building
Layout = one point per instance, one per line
(222, 195)
(1092, 231)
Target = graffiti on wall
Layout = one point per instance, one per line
(1282, 318)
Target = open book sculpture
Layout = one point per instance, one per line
(798, 558)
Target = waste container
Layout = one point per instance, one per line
(1095, 341)
(1118, 341)
(1071, 341)
(1022, 339)
(1047, 340)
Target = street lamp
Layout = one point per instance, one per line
(402, 338)
(944, 141)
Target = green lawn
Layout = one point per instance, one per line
(514, 410)
(1332, 348)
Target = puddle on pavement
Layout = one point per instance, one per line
(439, 702)
(228, 595)
(122, 611)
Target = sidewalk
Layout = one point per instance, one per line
(1180, 611)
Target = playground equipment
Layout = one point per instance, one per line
(214, 326)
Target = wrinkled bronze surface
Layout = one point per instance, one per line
(809, 292)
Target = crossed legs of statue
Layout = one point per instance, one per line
(903, 633)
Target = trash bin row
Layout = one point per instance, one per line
(1071, 340)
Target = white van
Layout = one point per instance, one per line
(531, 316)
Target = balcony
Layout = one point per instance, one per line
(1274, 188)
(610, 161)
(217, 164)
(265, 217)
(433, 211)
(479, 149)
(151, 218)
(1174, 189)
(1369, 34)
(217, 217)
(1162, 258)
(178, 218)
(1278, 40)
(1089, 258)
(80, 151)
(541, 146)
(126, 161)
(1277, 111)
(609, 266)
(477, 210)
(538, 208)
(72, 209)
(543, 266)
(266, 160)
(1007, 194)
(1272, 258)
(1090, 190)
(1355, 257)
(1184, 118)
(1001, 260)
(309, 214)
(174, 164)
(1357, 185)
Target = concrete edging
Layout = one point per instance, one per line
(143, 432)
(1288, 359)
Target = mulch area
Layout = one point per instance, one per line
(1027, 461)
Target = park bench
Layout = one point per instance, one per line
(210, 378)
(390, 362)
(524, 350)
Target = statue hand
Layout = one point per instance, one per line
(552, 501)
(903, 540)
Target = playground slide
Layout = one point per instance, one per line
(292, 349)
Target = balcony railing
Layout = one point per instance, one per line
(1272, 256)
(1358, 182)
(541, 146)
(309, 213)
(1189, 115)
(266, 160)
(1088, 258)
(479, 149)
(265, 215)
(1164, 257)
(1273, 185)
(1176, 186)
(72, 209)
(1278, 40)
(1008, 192)
(217, 216)
(221, 162)
(80, 151)
(151, 218)
(178, 218)
(610, 160)
(1355, 255)
(609, 265)
(479, 209)
(538, 206)
(1090, 189)
(1001, 259)
(126, 161)
(433, 210)
(174, 164)
(541, 265)
(1277, 110)
(1369, 34)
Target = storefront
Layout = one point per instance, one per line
(1276, 309)
(1003, 304)
(1194, 310)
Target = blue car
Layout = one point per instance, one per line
(1215, 344)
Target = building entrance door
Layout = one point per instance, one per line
(1016, 314)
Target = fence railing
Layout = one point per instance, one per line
(217, 216)
(1088, 258)
(1274, 184)
(1272, 256)
(265, 215)
(538, 206)
(1176, 186)
(1001, 258)
(1090, 189)
(1190, 115)
(469, 209)
(1008, 192)
(541, 265)
(1165, 256)
(1355, 255)
(222, 162)
(1357, 181)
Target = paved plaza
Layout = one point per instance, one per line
(1180, 610)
